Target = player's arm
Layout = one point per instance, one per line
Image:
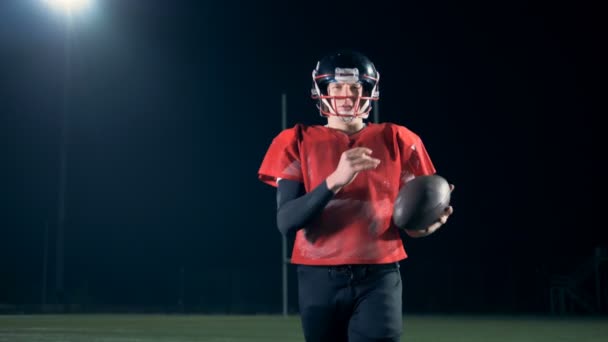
(296, 208)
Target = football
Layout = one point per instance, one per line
(421, 202)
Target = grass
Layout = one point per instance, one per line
(200, 328)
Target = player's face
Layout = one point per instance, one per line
(347, 96)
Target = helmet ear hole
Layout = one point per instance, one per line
(324, 106)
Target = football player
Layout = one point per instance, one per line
(336, 186)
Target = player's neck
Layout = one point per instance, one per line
(351, 127)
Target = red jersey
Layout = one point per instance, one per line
(356, 226)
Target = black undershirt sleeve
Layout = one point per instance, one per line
(296, 208)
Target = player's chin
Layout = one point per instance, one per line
(346, 113)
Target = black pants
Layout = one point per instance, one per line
(351, 302)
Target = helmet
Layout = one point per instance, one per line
(350, 67)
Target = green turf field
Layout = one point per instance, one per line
(177, 328)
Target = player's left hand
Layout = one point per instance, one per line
(436, 225)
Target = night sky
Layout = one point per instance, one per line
(171, 105)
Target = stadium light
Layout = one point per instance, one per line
(69, 7)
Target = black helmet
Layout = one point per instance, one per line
(349, 67)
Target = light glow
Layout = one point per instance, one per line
(69, 7)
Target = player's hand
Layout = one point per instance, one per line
(351, 163)
(434, 226)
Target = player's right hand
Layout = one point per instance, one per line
(351, 163)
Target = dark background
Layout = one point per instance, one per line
(171, 105)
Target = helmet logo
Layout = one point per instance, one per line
(347, 75)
